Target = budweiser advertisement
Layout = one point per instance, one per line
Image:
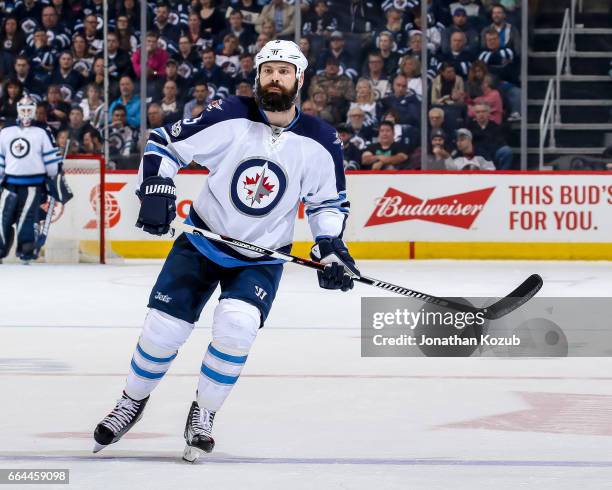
(470, 207)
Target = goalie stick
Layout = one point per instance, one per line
(44, 232)
(523, 293)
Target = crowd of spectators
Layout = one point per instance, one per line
(363, 76)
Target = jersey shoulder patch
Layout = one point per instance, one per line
(215, 112)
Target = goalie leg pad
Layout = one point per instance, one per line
(27, 218)
(161, 338)
(235, 326)
(8, 207)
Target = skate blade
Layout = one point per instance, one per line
(98, 447)
(192, 454)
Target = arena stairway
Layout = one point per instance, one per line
(586, 94)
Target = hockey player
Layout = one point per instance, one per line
(264, 157)
(29, 168)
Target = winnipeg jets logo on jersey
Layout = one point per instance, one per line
(20, 147)
(257, 186)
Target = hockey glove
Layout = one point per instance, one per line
(340, 266)
(158, 205)
(58, 188)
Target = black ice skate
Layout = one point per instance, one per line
(121, 419)
(198, 431)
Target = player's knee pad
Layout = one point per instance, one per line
(163, 333)
(235, 325)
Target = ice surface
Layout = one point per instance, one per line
(308, 412)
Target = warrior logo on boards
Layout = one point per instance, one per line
(19, 147)
(257, 186)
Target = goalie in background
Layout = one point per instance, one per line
(30, 167)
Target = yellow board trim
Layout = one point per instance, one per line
(416, 250)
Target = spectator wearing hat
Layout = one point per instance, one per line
(337, 50)
(465, 157)
(281, 15)
(350, 152)
(156, 58)
(182, 85)
(387, 154)
(406, 103)
(489, 138)
(472, 9)
(438, 151)
(460, 24)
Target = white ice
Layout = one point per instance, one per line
(309, 412)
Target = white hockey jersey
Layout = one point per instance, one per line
(258, 175)
(27, 154)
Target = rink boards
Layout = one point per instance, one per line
(407, 215)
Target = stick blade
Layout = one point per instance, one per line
(523, 293)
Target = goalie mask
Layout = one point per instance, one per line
(286, 51)
(26, 110)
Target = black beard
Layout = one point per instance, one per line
(274, 102)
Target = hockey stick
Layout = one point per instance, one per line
(42, 238)
(523, 293)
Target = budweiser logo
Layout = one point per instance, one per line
(460, 210)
